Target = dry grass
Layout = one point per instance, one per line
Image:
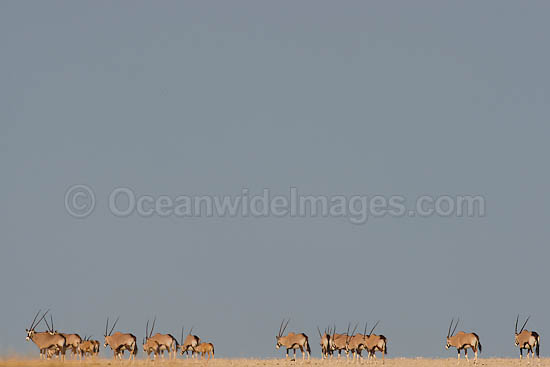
(222, 362)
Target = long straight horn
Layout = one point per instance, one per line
(281, 328)
(284, 328)
(152, 327)
(525, 323)
(375, 325)
(106, 326)
(47, 325)
(319, 330)
(450, 326)
(365, 332)
(146, 330)
(51, 319)
(182, 334)
(33, 320)
(457, 321)
(40, 319)
(516, 329)
(113, 328)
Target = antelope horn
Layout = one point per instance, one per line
(51, 319)
(457, 321)
(113, 328)
(40, 320)
(525, 323)
(106, 326)
(191, 330)
(319, 330)
(152, 327)
(33, 320)
(516, 329)
(146, 330)
(182, 334)
(450, 326)
(284, 328)
(365, 332)
(48, 325)
(375, 325)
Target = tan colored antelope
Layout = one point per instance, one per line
(72, 341)
(356, 344)
(293, 341)
(119, 342)
(190, 342)
(376, 343)
(166, 341)
(325, 343)
(204, 349)
(151, 346)
(464, 341)
(86, 348)
(528, 340)
(44, 340)
(338, 342)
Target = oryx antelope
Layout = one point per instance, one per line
(325, 343)
(339, 342)
(45, 340)
(528, 340)
(151, 346)
(166, 341)
(293, 341)
(190, 342)
(357, 343)
(71, 340)
(87, 347)
(120, 342)
(204, 349)
(374, 343)
(464, 341)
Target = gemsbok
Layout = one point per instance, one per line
(205, 348)
(86, 347)
(44, 340)
(190, 342)
(71, 340)
(529, 340)
(166, 341)
(293, 341)
(357, 343)
(339, 342)
(376, 343)
(324, 342)
(464, 341)
(151, 346)
(119, 342)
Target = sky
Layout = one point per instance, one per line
(212, 98)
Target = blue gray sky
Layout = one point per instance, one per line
(207, 98)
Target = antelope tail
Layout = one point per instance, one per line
(479, 345)
(386, 347)
(307, 347)
(537, 348)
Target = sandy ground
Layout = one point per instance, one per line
(221, 362)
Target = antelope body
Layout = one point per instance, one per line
(293, 341)
(464, 341)
(204, 349)
(71, 340)
(529, 340)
